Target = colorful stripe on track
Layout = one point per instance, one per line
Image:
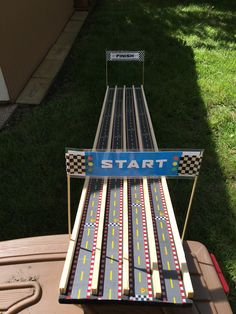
(94, 243)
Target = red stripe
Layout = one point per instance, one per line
(172, 242)
(147, 258)
(76, 254)
(94, 242)
(220, 274)
(160, 267)
(120, 250)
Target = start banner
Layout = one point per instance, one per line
(177, 163)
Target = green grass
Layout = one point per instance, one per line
(190, 86)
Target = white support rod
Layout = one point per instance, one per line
(189, 207)
(125, 258)
(150, 230)
(98, 251)
(178, 244)
(69, 205)
(74, 236)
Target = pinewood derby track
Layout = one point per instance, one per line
(125, 245)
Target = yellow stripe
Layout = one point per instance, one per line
(81, 276)
(158, 207)
(111, 275)
(155, 189)
(94, 194)
(114, 212)
(79, 294)
(110, 294)
(161, 224)
(84, 259)
(135, 188)
(86, 244)
(112, 244)
(136, 220)
(163, 237)
(138, 246)
(136, 210)
(112, 258)
(137, 233)
(166, 252)
(135, 195)
(171, 283)
(91, 213)
(92, 203)
(113, 232)
(156, 198)
(88, 231)
(168, 265)
(115, 195)
(139, 260)
(114, 203)
(174, 299)
(139, 277)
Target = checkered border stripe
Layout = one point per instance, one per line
(189, 165)
(141, 55)
(75, 164)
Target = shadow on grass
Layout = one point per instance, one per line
(71, 113)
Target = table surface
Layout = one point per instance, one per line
(31, 268)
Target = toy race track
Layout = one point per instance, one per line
(125, 246)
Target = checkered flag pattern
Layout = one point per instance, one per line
(160, 218)
(75, 164)
(189, 165)
(141, 297)
(113, 224)
(89, 224)
(136, 205)
(125, 55)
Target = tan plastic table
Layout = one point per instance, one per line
(30, 271)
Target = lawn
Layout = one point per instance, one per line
(190, 87)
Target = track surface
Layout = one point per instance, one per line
(110, 275)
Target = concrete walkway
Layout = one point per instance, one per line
(41, 80)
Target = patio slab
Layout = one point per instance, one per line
(5, 112)
(35, 91)
(41, 80)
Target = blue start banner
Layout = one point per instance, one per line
(133, 164)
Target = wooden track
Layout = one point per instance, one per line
(125, 245)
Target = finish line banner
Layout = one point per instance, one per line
(125, 56)
(133, 164)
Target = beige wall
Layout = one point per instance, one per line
(28, 28)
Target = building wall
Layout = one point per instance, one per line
(28, 28)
